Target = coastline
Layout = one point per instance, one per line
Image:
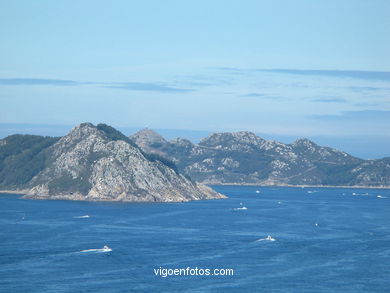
(17, 191)
(300, 186)
(25, 191)
(78, 197)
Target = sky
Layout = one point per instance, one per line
(282, 69)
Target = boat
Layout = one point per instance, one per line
(242, 207)
(106, 249)
(268, 238)
(257, 191)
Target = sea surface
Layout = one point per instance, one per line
(326, 240)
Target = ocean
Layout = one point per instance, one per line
(325, 240)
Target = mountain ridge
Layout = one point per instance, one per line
(245, 158)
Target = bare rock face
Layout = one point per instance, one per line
(98, 163)
(244, 158)
(149, 140)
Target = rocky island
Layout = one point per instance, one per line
(94, 163)
(245, 158)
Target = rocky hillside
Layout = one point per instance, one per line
(244, 158)
(95, 163)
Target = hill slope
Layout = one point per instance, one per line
(94, 163)
(244, 158)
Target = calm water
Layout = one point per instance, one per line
(347, 251)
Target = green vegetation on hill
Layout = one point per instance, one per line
(113, 134)
(22, 157)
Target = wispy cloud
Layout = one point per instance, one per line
(368, 88)
(231, 70)
(144, 86)
(253, 95)
(330, 100)
(357, 74)
(38, 81)
(364, 115)
(360, 74)
(262, 96)
(135, 86)
(368, 104)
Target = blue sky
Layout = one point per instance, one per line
(282, 69)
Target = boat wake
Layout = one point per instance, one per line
(97, 250)
(355, 193)
(81, 217)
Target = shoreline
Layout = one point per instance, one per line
(18, 191)
(25, 191)
(25, 195)
(300, 186)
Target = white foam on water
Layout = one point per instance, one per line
(81, 217)
(97, 250)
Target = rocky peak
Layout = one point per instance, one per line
(82, 130)
(146, 137)
(100, 163)
(304, 142)
(246, 136)
(225, 139)
(182, 142)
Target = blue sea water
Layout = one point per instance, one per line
(327, 240)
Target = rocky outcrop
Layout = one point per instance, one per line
(98, 163)
(244, 158)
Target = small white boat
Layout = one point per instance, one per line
(268, 238)
(82, 217)
(257, 191)
(381, 196)
(242, 207)
(106, 249)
